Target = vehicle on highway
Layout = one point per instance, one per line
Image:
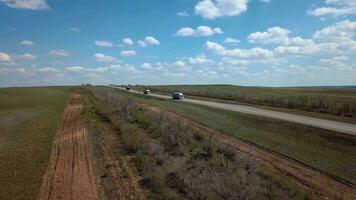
(146, 91)
(178, 95)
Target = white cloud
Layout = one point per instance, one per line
(59, 53)
(199, 31)
(74, 29)
(272, 35)
(337, 8)
(211, 9)
(25, 57)
(128, 53)
(183, 14)
(128, 41)
(257, 53)
(75, 69)
(141, 43)
(343, 31)
(231, 41)
(27, 42)
(289, 45)
(6, 58)
(100, 69)
(233, 62)
(149, 40)
(200, 60)
(27, 4)
(181, 66)
(104, 58)
(146, 66)
(103, 43)
(47, 70)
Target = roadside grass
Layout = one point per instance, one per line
(325, 150)
(339, 101)
(178, 162)
(29, 119)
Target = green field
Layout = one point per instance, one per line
(332, 100)
(175, 160)
(29, 119)
(325, 150)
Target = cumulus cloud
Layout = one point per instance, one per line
(47, 70)
(231, 41)
(75, 69)
(342, 31)
(59, 53)
(211, 9)
(257, 53)
(146, 66)
(277, 35)
(180, 64)
(200, 60)
(104, 58)
(25, 57)
(335, 8)
(149, 40)
(27, 4)
(141, 43)
(103, 43)
(199, 31)
(27, 42)
(128, 53)
(183, 14)
(128, 41)
(6, 58)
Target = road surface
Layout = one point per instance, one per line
(310, 121)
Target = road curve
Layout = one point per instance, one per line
(300, 119)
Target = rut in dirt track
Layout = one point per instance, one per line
(69, 174)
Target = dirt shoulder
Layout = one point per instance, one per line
(309, 178)
(69, 174)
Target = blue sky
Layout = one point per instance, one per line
(245, 42)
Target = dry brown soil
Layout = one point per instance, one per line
(69, 174)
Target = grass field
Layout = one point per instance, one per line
(331, 100)
(177, 161)
(28, 119)
(325, 150)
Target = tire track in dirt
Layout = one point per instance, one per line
(69, 174)
(313, 180)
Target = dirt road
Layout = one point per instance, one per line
(69, 174)
(310, 121)
(311, 179)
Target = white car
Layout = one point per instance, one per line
(178, 95)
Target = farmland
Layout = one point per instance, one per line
(340, 101)
(29, 119)
(147, 148)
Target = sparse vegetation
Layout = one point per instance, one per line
(337, 101)
(29, 119)
(327, 151)
(179, 162)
